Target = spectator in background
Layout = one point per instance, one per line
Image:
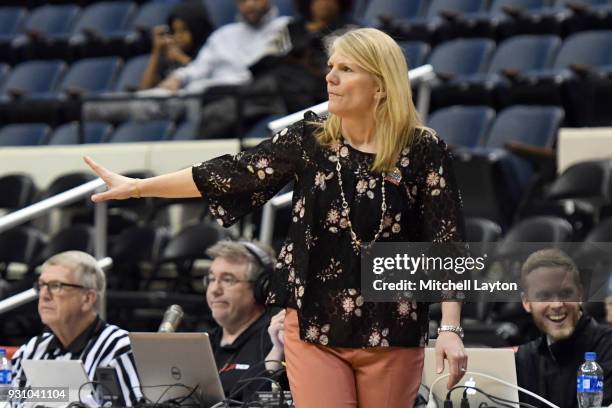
(177, 44)
(224, 59)
(236, 287)
(70, 289)
(230, 50)
(548, 365)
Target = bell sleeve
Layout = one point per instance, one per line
(234, 185)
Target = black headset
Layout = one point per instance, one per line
(261, 285)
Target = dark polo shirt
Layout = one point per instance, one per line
(244, 358)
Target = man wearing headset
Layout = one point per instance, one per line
(236, 289)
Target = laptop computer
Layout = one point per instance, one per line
(498, 363)
(58, 374)
(184, 360)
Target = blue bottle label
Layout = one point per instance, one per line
(589, 383)
(5, 376)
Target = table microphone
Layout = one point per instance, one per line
(172, 318)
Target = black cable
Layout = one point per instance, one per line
(169, 387)
(493, 398)
(233, 393)
(272, 374)
(247, 381)
(92, 383)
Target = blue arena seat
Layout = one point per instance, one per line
(221, 12)
(455, 62)
(150, 131)
(93, 132)
(416, 52)
(131, 74)
(380, 12)
(101, 28)
(90, 76)
(11, 22)
(46, 32)
(24, 134)
(465, 126)
(440, 21)
(31, 79)
(579, 80)
(493, 180)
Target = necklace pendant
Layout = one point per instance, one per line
(395, 177)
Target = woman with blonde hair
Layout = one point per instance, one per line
(369, 172)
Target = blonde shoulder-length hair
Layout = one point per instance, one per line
(396, 116)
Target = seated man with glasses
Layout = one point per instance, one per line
(236, 288)
(71, 287)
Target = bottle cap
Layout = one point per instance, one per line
(590, 356)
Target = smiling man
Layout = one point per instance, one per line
(548, 365)
(70, 287)
(236, 292)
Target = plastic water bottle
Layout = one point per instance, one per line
(589, 385)
(5, 368)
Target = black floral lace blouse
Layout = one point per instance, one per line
(317, 270)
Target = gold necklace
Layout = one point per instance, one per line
(355, 241)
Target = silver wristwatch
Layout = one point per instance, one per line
(458, 330)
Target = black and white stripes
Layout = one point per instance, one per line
(108, 347)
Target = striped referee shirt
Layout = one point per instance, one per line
(100, 345)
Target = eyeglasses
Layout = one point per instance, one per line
(55, 287)
(226, 281)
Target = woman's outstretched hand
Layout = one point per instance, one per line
(119, 187)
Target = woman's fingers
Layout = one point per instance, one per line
(99, 170)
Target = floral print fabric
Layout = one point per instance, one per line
(318, 270)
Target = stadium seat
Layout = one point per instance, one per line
(46, 32)
(578, 195)
(465, 126)
(131, 74)
(90, 77)
(101, 29)
(31, 79)
(440, 22)
(579, 79)
(481, 230)
(75, 237)
(382, 13)
(11, 22)
(16, 191)
(189, 245)
(131, 248)
(515, 57)
(493, 180)
(93, 132)
(587, 15)
(221, 12)
(151, 131)
(456, 61)
(19, 245)
(416, 52)
(25, 134)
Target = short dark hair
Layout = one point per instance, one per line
(551, 258)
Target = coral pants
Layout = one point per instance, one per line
(335, 377)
